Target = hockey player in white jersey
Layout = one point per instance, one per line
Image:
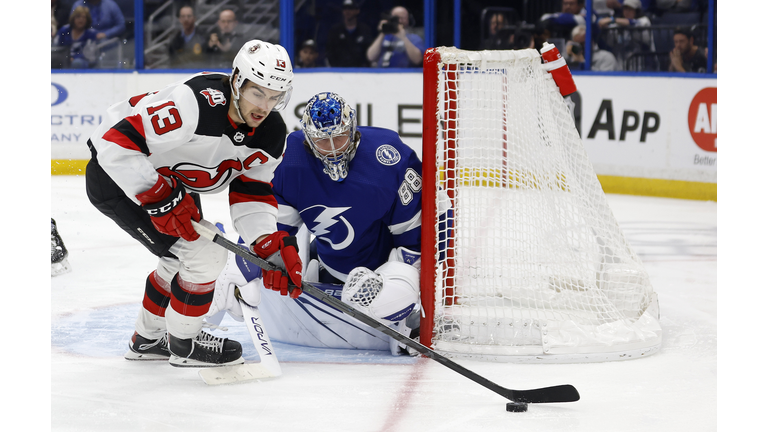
(356, 191)
(151, 157)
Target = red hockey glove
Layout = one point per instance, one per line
(286, 245)
(171, 209)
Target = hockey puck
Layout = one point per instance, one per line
(517, 407)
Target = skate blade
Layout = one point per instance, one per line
(235, 374)
(133, 356)
(185, 362)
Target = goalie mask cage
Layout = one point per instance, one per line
(530, 264)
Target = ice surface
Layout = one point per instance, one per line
(93, 308)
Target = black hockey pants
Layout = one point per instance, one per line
(110, 200)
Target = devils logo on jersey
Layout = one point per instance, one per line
(205, 179)
(215, 97)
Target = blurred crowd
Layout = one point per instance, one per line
(634, 35)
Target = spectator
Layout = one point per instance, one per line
(500, 36)
(624, 35)
(108, 19)
(524, 39)
(686, 56)
(307, 55)
(60, 12)
(602, 60)
(80, 38)
(632, 16)
(225, 39)
(561, 23)
(541, 34)
(605, 8)
(349, 40)
(663, 6)
(396, 46)
(186, 49)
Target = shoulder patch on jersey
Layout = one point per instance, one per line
(211, 94)
(387, 155)
(214, 96)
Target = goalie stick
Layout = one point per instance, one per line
(268, 367)
(560, 393)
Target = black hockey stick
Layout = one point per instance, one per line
(560, 393)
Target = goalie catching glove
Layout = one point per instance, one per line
(390, 293)
(281, 249)
(171, 209)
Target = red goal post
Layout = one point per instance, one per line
(530, 265)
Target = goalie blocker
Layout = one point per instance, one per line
(389, 293)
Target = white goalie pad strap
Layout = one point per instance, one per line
(390, 293)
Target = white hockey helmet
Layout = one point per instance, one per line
(328, 116)
(264, 64)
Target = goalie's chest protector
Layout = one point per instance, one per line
(350, 219)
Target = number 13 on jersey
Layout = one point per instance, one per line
(164, 118)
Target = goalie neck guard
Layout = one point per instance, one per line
(327, 120)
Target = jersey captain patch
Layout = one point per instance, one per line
(387, 155)
(215, 97)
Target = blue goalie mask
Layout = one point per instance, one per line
(330, 125)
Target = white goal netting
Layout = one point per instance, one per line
(535, 266)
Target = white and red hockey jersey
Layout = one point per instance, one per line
(184, 131)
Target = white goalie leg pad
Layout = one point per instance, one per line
(236, 274)
(390, 293)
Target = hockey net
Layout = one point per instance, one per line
(530, 264)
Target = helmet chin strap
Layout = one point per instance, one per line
(236, 101)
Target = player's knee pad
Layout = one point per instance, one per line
(391, 293)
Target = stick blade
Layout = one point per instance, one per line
(234, 374)
(560, 393)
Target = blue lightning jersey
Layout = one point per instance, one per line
(358, 221)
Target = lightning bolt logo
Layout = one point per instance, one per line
(327, 218)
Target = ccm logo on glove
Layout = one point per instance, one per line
(171, 209)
